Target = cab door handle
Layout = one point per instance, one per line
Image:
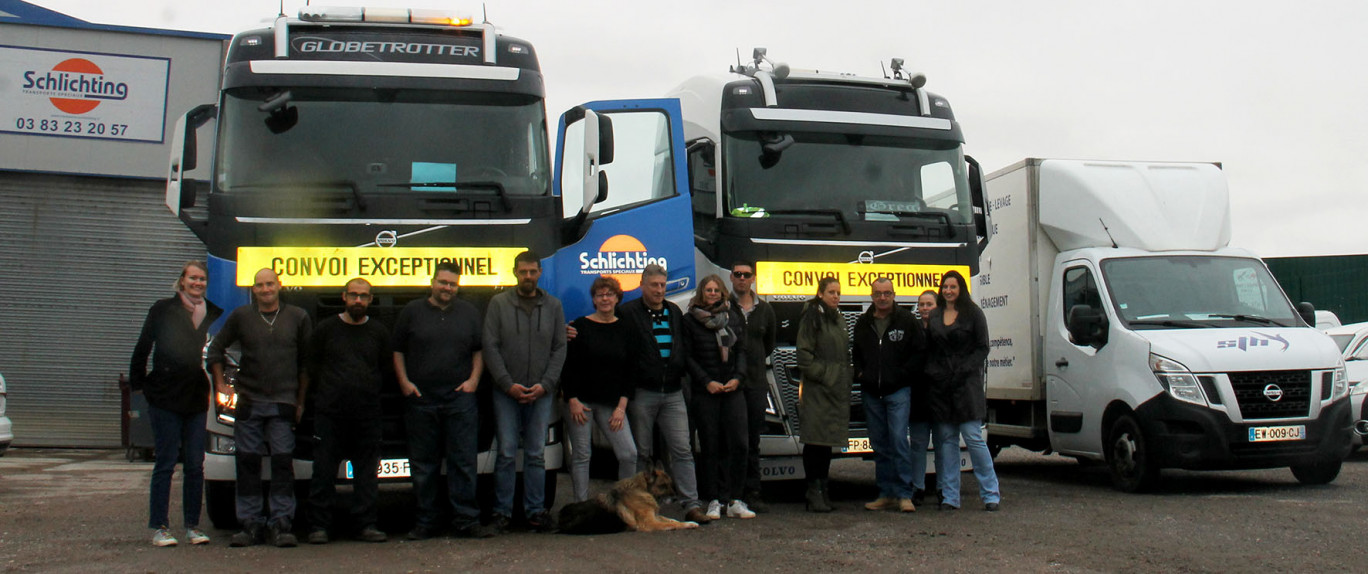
(1061, 363)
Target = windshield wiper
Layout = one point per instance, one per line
(1179, 324)
(334, 184)
(1249, 318)
(840, 217)
(497, 187)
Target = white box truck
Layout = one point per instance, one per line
(1125, 329)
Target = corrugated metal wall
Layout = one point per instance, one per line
(81, 261)
(1333, 282)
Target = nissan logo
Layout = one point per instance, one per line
(386, 238)
(1273, 393)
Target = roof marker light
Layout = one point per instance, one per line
(324, 14)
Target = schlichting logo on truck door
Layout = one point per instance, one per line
(621, 257)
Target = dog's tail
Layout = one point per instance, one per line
(591, 517)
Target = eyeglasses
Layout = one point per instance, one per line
(742, 274)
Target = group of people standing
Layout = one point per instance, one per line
(918, 377)
(628, 369)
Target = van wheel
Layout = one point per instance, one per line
(220, 498)
(1317, 473)
(1128, 457)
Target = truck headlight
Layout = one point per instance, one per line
(1341, 384)
(1180, 383)
(225, 406)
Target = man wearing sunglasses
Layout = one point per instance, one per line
(760, 323)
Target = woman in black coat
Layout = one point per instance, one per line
(957, 340)
(717, 366)
(177, 392)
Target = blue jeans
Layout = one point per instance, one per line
(528, 421)
(650, 409)
(176, 435)
(581, 446)
(447, 431)
(887, 419)
(262, 430)
(919, 435)
(947, 455)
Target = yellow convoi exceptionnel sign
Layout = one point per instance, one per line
(382, 266)
(791, 278)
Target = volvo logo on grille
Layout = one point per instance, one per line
(386, 238)
(1273, 393)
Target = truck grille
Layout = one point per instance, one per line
(784, 361)
(1250, 388)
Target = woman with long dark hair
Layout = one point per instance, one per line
(717, 366)
(957, 338)
(177, 391)
(824, 395)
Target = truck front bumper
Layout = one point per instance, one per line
(1187, 436)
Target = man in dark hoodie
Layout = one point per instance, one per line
(889, 348)
(659, 400)
(524, 348)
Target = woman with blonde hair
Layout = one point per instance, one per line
(717, 366)
(177, 391)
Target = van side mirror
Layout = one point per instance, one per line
(1087, 326)
(1307, 311)
(983, 217)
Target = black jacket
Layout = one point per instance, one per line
(761, 328)
(177, 382)
(653, 372)
(705, 356)
(884, 365)
(954, 366)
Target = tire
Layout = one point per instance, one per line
(220, 499)
(1317, 473)
(1128, 457)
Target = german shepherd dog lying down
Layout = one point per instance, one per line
(630, 505)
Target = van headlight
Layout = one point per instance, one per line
(1177, 380)
(1341, 384)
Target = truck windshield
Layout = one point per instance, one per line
(873, 178)
(1163, 291)
(379, 140)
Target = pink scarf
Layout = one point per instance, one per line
(195, 305)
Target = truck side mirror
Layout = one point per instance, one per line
(983, 217)
(1087, 326)
(180, 192)
(1307, 311)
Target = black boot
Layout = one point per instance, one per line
(825, 484)
(815, 501)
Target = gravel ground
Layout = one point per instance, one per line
(81, 510)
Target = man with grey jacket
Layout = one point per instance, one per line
(524, 348)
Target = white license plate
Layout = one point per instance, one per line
(857, 445)
(1271, 434)
(389, 468)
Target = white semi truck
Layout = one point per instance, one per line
(1125, 329)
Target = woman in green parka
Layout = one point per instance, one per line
(824, 395)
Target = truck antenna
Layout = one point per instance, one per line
(1109, 235)
(883, 69)
(737, 69)
(282, 6)
(484, 7)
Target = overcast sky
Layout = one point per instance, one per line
(1276, 92)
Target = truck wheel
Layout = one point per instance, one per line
(1128, 457)
(1317, 473)
(220, 496)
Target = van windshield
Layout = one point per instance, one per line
(1192, 290)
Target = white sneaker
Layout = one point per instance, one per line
(714, 510)
(163, 537)
(738, 509)
(195, 536)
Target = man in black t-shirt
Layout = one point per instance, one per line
(350, 353)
